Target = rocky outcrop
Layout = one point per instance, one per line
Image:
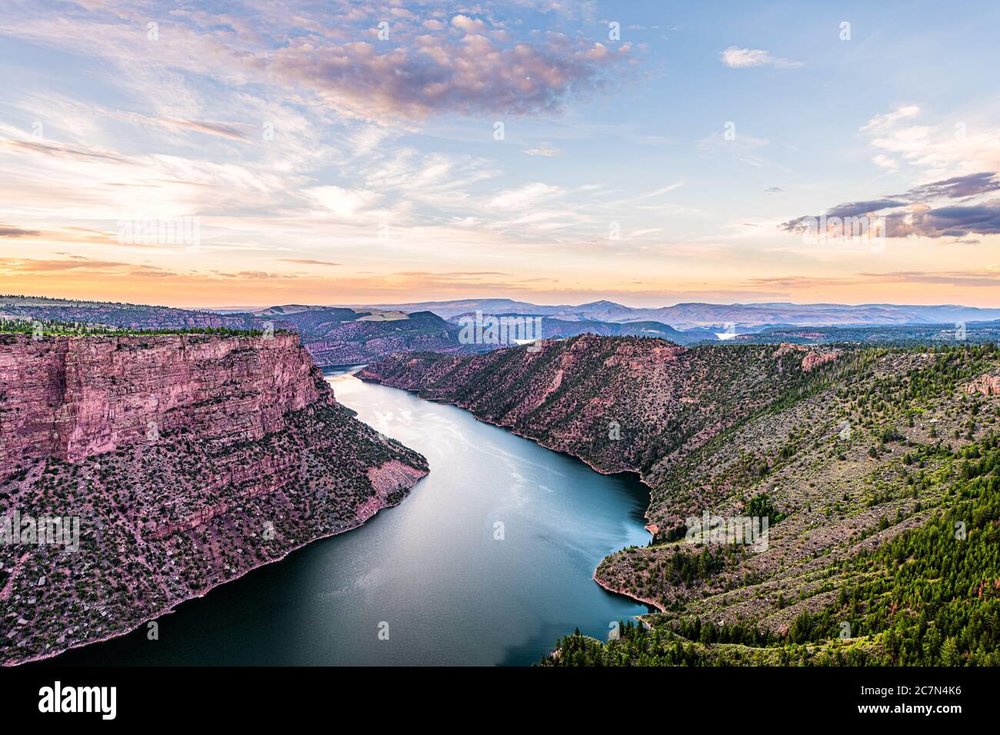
(184, 460)
(72, 397)
(811, 359)
(987, 385)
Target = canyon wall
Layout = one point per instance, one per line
(186, 460)
(73, 397)
(622, 404)
(842, 449)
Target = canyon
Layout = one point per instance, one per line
(187, 459)
(847, 450)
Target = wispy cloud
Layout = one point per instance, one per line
(9, 231)
(309, 261)
(743, 58)
(544, 150)
(934, 150)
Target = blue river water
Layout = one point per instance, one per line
(487, 562)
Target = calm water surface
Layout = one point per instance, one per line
(431, 568)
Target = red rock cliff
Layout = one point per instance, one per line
(183, 461)
(73, 397)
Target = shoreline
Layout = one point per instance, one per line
(607, 473)
(641, 600)
(173, 605)
(650, 527)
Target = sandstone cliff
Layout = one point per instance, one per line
(187, 459)
(620, 403)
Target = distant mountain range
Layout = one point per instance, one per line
(332, 335)
(352, 335)
(718, 317)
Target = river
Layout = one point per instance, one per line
(488, 561)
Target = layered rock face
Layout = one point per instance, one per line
(185, 460)
(620, 403)
(70, 398)
(988, 385)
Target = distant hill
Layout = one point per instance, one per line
(332, 335)
(350, 335)
(891, 334)
(719, 317)
(553, 327)
(339, 336)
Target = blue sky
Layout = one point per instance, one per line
(323, 152)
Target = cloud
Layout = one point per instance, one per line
(661, 191)
(526, 196)
(59, 151)
(980, 278)
(471, 75)
(345, 203)
(75, 263)
(956, 187)
(11, 231)
(743, 58)
(960, 163)
(744, 148)
(885, 162)
(307, 261)
(857, 209)
(544, 150)
(928, 210)
(330, 54)
(958, 221)
(207, 127)
(468, 25)
(327, 113)
(951, 147)
(889, 119)
(975, 279)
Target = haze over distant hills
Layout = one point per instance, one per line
(332, 335)
(717, 316)
(353, 335)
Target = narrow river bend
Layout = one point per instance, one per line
(488, 561)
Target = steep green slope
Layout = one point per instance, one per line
(842, 451)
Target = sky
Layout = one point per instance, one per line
(258, 152)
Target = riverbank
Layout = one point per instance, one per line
(363, 513)
(488, 561)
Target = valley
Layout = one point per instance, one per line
(850, 452)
